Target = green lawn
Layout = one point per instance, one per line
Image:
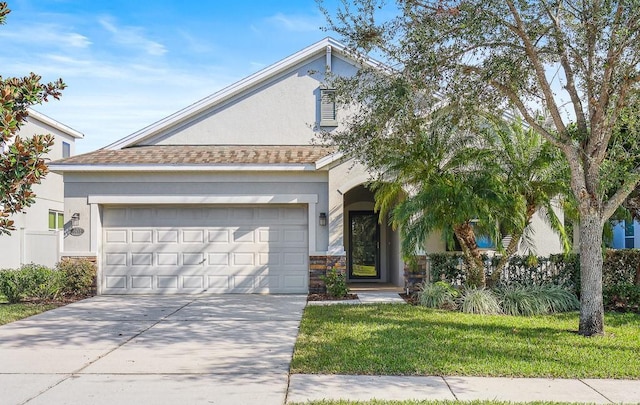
(409, 340)
(13, 312)
(361, 270)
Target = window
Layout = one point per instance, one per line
(66, 150)
(629, 237)
(483, 242)
(56, 220)
(328, 108)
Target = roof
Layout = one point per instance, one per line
(326, 45)
(54, 124)
(202, 155)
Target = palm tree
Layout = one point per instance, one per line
(447, 178)
(534, 170)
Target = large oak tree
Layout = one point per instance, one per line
(574, 62)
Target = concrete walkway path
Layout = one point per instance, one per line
(231, 349)
(305, 387)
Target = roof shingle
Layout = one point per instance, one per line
(202, 155)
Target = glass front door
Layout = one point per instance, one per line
(364, 245)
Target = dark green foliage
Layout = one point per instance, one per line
(447, 267)
(562, 270)
(623, 296)
(31, 281)
(556, 298)
(336, 283)
(520, 300)
(79, 277)
(439, 295)
(536, 300)
(72, 278)
(12, 285)
(479, 301)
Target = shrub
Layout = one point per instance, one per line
(447, 267)
(556, 298)
(336, 283)
(42, 283)
(12, 285)
(624, 296)
(479, 301)
(31, 281)
(438, 295)
(520, 300)
(79, 276)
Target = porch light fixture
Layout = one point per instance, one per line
(322, 220)
(75, 219)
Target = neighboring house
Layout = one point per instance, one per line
(38, 235)
(626, 235)
(230, 196)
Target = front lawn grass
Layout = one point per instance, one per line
(14, 312)
(389, 339)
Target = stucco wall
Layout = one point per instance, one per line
(282, 111)
(49, 196)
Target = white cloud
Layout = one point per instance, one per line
(45, 35)
(132, 37)
(296, 23)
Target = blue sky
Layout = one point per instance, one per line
(131, 63)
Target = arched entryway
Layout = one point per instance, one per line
(372, 247)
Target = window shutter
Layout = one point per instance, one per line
(328, 108)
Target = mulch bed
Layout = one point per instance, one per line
(327, 297)
(409, 299)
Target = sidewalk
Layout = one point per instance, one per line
(313, 387)
(306, 387)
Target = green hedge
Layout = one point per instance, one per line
(70, 278)
(620, 273)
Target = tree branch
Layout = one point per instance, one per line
(581, 120)
(540, 72)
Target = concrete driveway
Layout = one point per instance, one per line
(206, 349)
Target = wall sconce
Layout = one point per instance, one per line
(75, 219)
(322, 220)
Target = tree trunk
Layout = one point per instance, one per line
(476, 276)
(513, 245)
(591, 303)
(509, 251)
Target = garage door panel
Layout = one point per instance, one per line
(218, 259)
(142, 283)
(142, 236)
(213, 249)
(115, 259)
(220, 235)
(242, 259)
(113, 236)
(167, 282)
(167, 259)
(193, 282)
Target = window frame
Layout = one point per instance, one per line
(66, 149)
(328, 114)
(57, 218)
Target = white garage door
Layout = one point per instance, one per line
(221, 249)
